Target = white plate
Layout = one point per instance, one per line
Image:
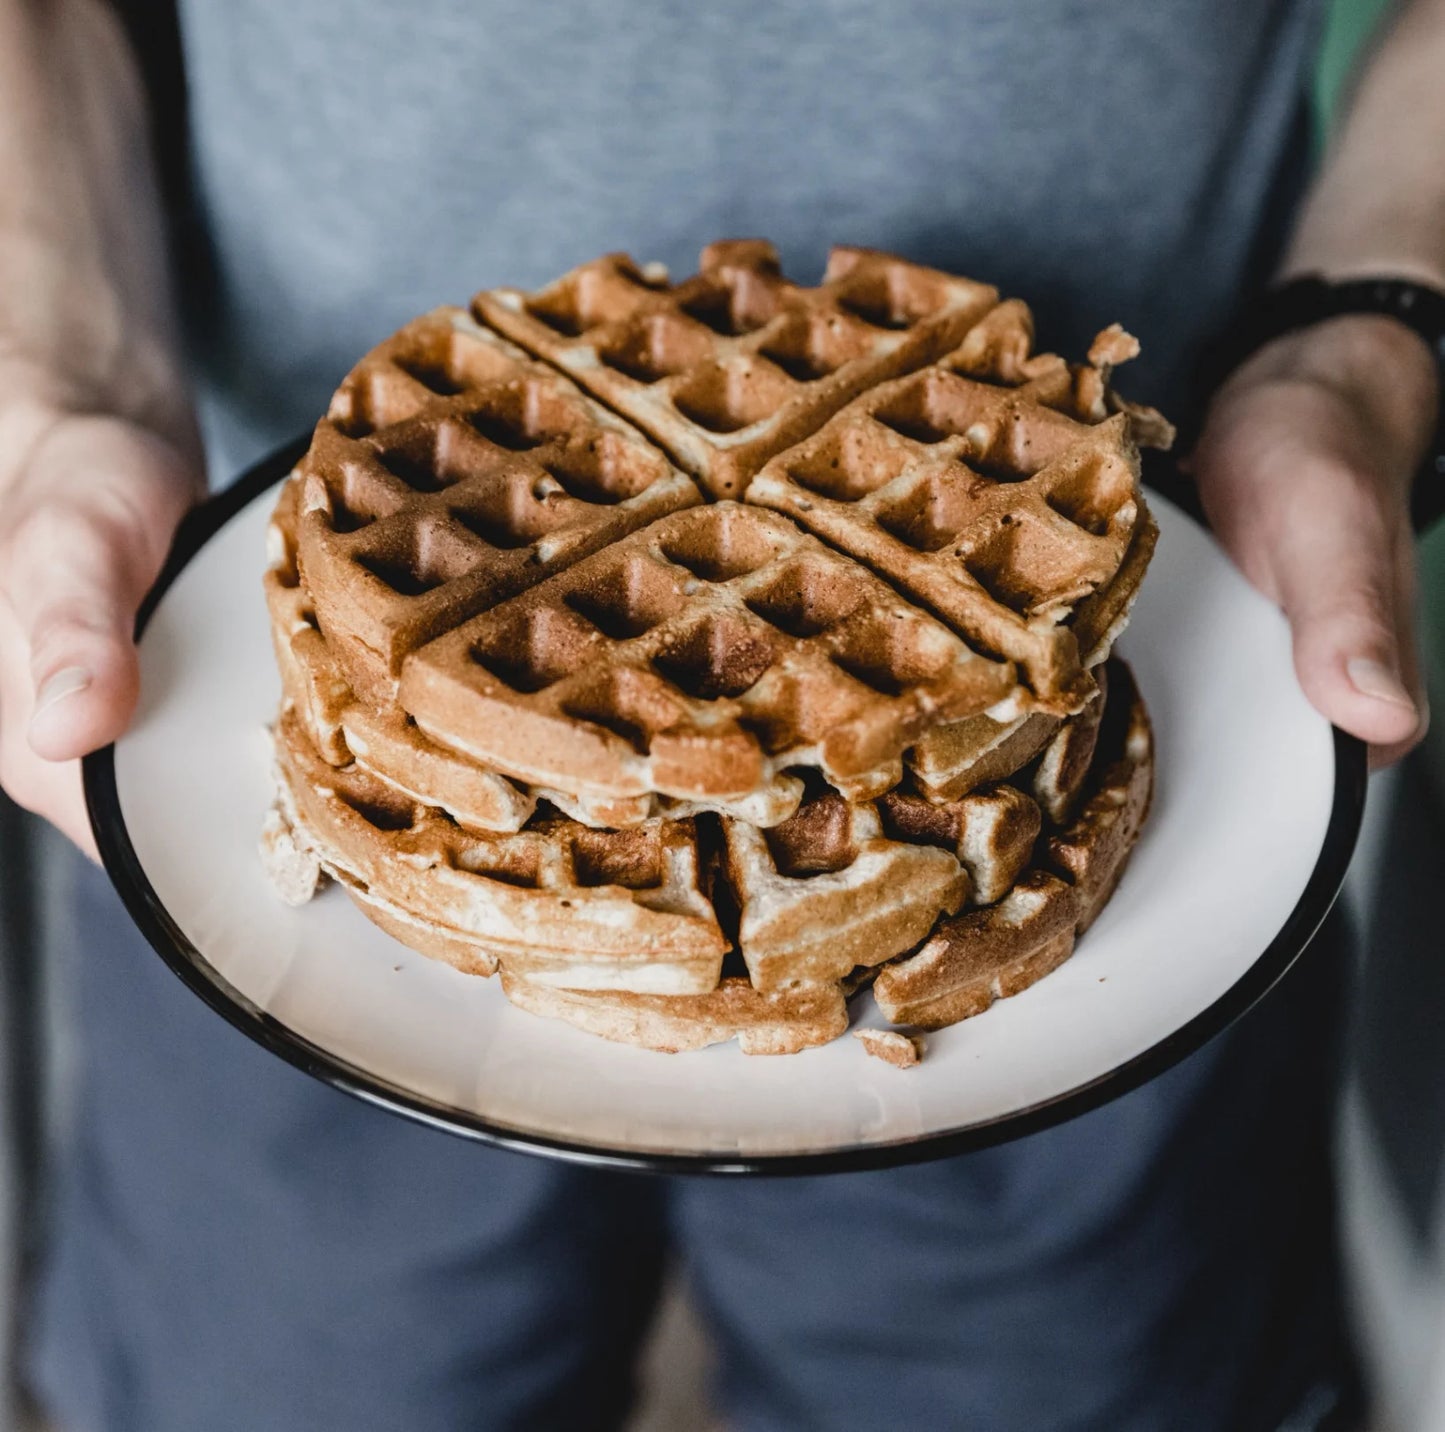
(1254, 818)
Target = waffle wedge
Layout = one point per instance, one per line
(736, 363)
(700, 658)
(995, 490)
(452, 471)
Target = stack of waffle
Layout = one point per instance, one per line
(698, 655)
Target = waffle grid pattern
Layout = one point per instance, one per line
(702, 656)
(450, 472)
(990, 503)
(730, 366)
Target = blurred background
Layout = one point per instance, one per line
(1392, 1124)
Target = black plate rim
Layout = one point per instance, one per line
(196, 972)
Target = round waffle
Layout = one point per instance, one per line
(626, 624)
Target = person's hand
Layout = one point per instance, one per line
(88, 505)
(1304, 467)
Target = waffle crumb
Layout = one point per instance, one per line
(902, 1051)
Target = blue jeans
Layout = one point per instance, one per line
(235, 1247)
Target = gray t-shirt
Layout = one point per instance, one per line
(354, 163)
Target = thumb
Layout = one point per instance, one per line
(1301, 505)
(98, 503)
(1346, 584)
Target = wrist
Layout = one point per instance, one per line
(1310, 301)
(1380, 374)
(1359, 340)
(1339, 269)
(1362, 356)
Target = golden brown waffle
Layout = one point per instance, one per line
(995, 490)
(783, 1022)
(559, 902)
(983, 955)
(734, 364)
(700, 658)
(521, 652)
(450, 472)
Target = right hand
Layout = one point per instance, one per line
(88, 505)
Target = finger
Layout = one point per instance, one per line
(1336, 578)
(1289, 488)
(51, 789)
(105, 499)
(1334, 566)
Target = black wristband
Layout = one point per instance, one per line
(1305, 301)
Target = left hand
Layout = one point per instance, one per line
(1304, 467)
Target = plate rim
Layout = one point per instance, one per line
(185, 960)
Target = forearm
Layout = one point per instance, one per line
(1378, 205)
(86, 318)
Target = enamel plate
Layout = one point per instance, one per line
(1255, 814)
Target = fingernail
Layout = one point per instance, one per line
(65, 682)
(1373, 678)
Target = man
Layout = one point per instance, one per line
(237, 1248)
